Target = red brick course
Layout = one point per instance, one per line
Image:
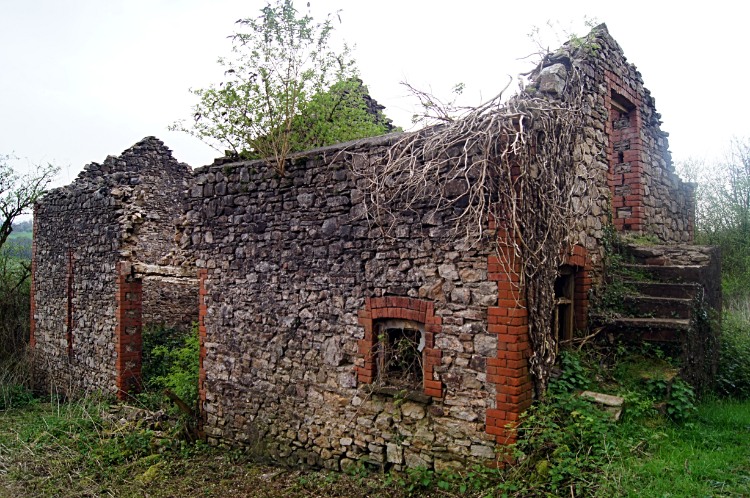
(202, 274)
(128, 331)
(509, 319)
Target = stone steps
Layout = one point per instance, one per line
(662, 304)
(681, 273)
(666, 289)
(659, 307)
(649, 329)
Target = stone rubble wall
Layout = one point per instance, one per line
(153, 207)
(116, 211)
(290, 263)
(647, 197)
(293, 275)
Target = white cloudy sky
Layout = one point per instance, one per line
(83, 79)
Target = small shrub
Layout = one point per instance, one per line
(733, 376)
(15, 396)
(681, 402)
(171, 361)
(573, 376)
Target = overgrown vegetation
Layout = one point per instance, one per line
(286, 90)
(723, 213)
(568, 446)
(504, 161)
(18, 192)
(170, 361)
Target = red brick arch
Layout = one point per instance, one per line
(406, 309)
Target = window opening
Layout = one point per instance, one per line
(400, 354)
(621, 104)
(563, 315)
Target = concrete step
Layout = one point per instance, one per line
(683, 274)
(648, 329)
(666, 289)
(659, 307)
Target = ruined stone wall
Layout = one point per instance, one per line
(623, 139)
(113, 212)
(295, 279)
(290, 266)
(152, 209)
(79, 221)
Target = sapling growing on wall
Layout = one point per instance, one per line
(286, 90)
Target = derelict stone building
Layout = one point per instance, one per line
(299, 295)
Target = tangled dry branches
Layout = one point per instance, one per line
(512, 162)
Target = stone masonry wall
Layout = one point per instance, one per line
(292, 266)
(623, 140)
(113, 212)
(294, 278)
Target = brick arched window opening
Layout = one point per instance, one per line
(399, 351)
(389, 319)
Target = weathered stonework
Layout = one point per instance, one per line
(289, 279)
(85, 293)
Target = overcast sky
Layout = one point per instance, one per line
(83, 79)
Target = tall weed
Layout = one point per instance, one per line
(733, 376)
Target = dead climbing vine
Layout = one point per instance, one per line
(516, 162)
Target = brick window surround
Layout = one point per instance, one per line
(403, 308)
(579, 258)
(624, 152)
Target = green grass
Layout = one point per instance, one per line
(20, 235)
(69, 450)
(707, 456)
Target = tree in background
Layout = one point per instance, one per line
(19, 192)
(17, 195)
(287, 90)
(722, 212)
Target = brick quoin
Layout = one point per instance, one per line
(404, 308)
(509, 319)
(128, 331)
(202, 308)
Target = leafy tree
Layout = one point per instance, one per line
(286, 90)
(17, 194)
(723, 210)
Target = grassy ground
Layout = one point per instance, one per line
(69, 450)
(707, 456)
(20, 235)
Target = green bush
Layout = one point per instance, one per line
(733, 376)
(171, 361)
(15, 396)
(573, 375)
